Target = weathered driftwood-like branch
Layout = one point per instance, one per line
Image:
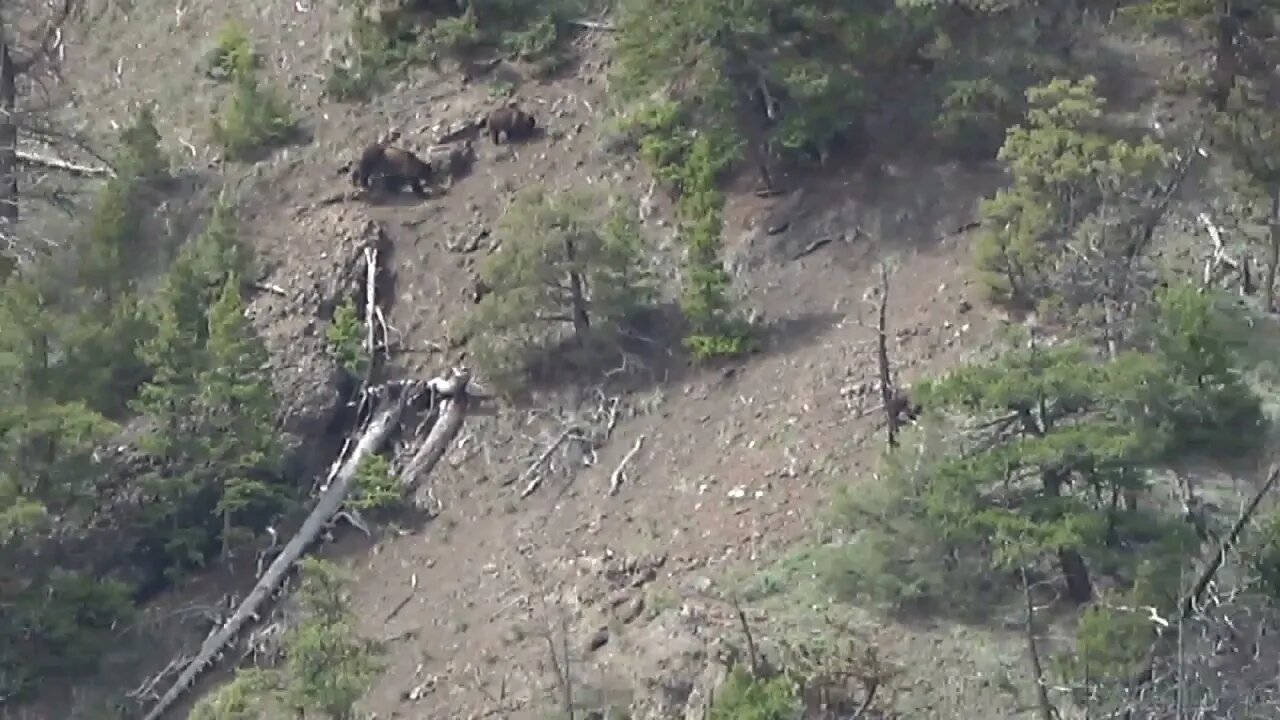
(1192, 598)
(452, 412)
(330, 502)
(592, 25)
(1047, 711)
(53, 163)
(371, 301)
(1219, 258)
(620, 472)
(532, 474)
(454, 395)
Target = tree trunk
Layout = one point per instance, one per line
(1047, 711)
(1224, 71)
(1113, 512)
(577, 296)
(453, 390)
(887, 390)
(1076, 574)
(8, 161)
(1273, 259)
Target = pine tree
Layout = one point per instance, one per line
(237, 399)
(564, 270)
(209, 400)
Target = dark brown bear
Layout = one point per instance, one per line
(511, 122)
(393, 167)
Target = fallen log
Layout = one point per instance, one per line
(454, 394)
(54, 163)
(330, 502)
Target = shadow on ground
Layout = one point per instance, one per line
(650, 353)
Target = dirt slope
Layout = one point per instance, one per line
(735, 463)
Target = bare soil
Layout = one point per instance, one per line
(736, 463)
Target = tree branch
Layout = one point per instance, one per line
(53, 163)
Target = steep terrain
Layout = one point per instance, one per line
(735, 463)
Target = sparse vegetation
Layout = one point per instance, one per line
(693, 165)
(232, 55)
(388, 38)
(378, 50)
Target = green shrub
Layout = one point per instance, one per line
(1111, 641)
(743, 697)
(566, 279)
(328, 666)
(1264, 557)
(253, 119)
(346, 336)
(375, 487)
(377, 52)
(250, 696)
(232, 54)
(692, 163)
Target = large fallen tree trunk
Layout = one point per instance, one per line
(453, 391)
(453, 396)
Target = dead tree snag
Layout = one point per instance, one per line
(1189, 604)
(42, 50)
(1046, 709)
(896, 404)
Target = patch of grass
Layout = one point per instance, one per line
(743, 697)
(783, 576)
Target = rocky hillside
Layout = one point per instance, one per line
(725, 469)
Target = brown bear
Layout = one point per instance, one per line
(510, 122)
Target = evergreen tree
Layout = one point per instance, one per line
(563, 270)
(210, 402)
(237, 399)
(328, 665)
(1065, 234)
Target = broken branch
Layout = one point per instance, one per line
(53, 163)
(592, 25)
(531, 473)
(615, 480)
